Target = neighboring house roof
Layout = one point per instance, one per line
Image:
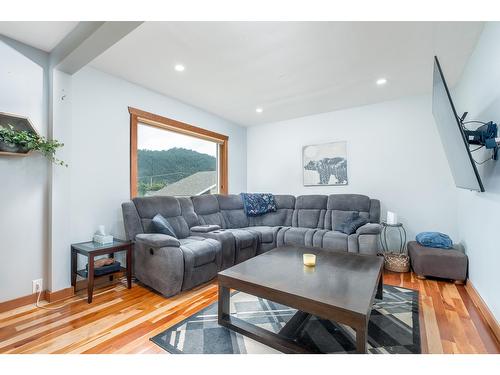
(197, 184)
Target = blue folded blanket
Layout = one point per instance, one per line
(258, 204)
(434, 239)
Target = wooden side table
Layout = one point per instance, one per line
(91, 250)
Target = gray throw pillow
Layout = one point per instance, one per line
(351, 223)
(349, 217)
(161, 225)
(352, 226)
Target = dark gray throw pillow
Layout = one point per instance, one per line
(350, 216)
(352, 226)
(351, 223)
(161, 225)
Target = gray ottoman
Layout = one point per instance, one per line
(443, 263)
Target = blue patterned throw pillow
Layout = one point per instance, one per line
(258, 204)
(161, 225)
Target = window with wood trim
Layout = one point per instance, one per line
(169, 157)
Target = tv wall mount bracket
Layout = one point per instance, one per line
(486, 135)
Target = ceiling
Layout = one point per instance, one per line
(38, 34)
(290, 69)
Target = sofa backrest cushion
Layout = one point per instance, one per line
(285, 205)
(231, 207)
(309, 211)
(168, 207)
(374, 216)
(207, 209)
(187, 211)
(131, 220)
(341, 206)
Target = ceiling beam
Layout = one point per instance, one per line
(87, 41)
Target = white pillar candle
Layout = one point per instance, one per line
(392, 218)
(309, 260)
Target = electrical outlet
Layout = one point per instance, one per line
(37, 285)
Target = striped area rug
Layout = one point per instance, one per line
(393, 328)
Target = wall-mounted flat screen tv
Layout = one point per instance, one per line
(456, 147)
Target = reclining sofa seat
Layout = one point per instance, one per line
(338, 207)
(227, 212)
(316, 216)
(268, 225)
(168, 264)
(307, 222)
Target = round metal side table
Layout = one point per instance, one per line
(396, 261)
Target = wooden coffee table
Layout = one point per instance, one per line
(341, 287)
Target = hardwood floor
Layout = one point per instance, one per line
(122, 321)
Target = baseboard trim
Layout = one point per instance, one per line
(59, 295)
(21, 301)
(483, 308)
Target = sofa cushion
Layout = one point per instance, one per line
(335, 240)
(187, 211)
(348, 202)
(231, 207)
(266, 234)
(161, 225)
(202, 249)
(300, 236)
(308, 218)
(148, 207)
(285, 205)
(309, 211)
(207, 209)
(168, 207)
(243, 238)
(370, 228)
(205, 204)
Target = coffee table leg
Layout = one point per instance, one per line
(380, 288)
(361, 335)
(224, 307)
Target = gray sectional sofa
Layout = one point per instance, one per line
(214, 233)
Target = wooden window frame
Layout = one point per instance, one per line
(139, 116)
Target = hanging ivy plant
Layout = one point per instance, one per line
(23, 141)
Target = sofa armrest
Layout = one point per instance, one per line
(204, 228)
(157, 240)
(370, 228)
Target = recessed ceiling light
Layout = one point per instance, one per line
(259, 110)
(179, 67)
(381, 81)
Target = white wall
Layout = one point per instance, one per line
(99, 153)
(478, 213)
(23, 180)
(394, 154)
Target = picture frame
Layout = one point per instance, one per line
(325, 164)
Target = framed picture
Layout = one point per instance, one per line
(325, 164)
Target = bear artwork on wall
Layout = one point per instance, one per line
(325, 164)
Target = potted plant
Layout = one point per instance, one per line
(23, 141)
